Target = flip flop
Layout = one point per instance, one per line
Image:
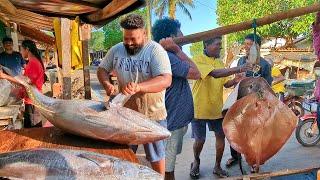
(221, 173)
(231, 162)
(194, 173)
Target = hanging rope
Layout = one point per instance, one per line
(254, 26)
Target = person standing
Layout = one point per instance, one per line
(138, 57)
(264, 72)
(208, 102)
(179, 94)
(34, 70)
(11, 59)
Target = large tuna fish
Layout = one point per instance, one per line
(69, 164)
(91, 119)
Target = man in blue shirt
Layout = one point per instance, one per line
(178, 99)
(11, 59)
(264, 72)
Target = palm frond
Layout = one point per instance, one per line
(184, 9)
(160, 7)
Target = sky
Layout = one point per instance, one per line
(203, 18)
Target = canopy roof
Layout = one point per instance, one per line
(38, 14)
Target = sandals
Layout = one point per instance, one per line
(221, 173)
(194, 173)
(231, 162)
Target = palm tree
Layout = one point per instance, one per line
(162, 5)
(149, 9)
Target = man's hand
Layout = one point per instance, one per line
(169, 45)
(246, 67)
(1, 74)
(110, 89)
(131, 89)
(238, 78)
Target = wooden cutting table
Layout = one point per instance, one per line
(52, 137)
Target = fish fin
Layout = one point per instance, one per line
(101, 162)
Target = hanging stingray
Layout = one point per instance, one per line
(258, 124)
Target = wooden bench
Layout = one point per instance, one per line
(52, 137)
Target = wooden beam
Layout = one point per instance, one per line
(26, 21)
(113, 8)
(45, 22)
(5, 22)
(33, 15)
(8, 6)
(85, 37)
(83, 3)
(247, 24)
(35, 34)
(66, 57)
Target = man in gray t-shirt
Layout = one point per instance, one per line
(147, 60)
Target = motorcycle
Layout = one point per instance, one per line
(294, 103)
(307, 131)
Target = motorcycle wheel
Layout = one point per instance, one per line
(297, 108)
(304, 133)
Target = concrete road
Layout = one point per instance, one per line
(291, 156)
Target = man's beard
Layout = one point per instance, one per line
(132, 50)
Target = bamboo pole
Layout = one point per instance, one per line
(274, 174)
(247, 24)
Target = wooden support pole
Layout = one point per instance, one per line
(66, 57)
(85, 37)
(247, 24)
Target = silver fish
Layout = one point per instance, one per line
(90, 119)
(71, 165)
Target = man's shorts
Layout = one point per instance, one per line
(199, 128)
(174, 147)
(154, 151)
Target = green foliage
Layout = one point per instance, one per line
(112, 34)
(236, 11)
(2, 30)
(196, 49)
(96, 41)
(162, 6)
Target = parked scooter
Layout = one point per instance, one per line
(307, 132)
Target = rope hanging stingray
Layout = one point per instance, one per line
(254, 55)
(253, 58)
